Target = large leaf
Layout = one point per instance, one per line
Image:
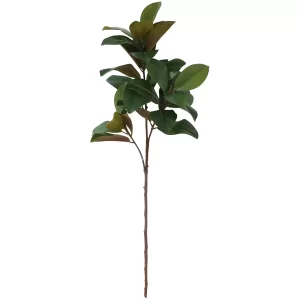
(125, 31)
(184, 127)
(164, 120)
(133, 101)
(116, 80)
(117, 40)
(140, 30)
(127, 69)
(180, 98)
(191, 77)
(116, 124)
(159, 29)
(110, 138)
(143, 88)
(158, 71)
(150, 11)
(144, 56)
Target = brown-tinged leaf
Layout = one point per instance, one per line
(114, 138)
(127, 69)
(159, 29)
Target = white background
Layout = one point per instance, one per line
(223, 210)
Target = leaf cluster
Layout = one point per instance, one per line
(135, 88)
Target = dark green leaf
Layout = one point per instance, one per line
(184, 127)
(164, 120)
(159, 72)
(117, 40)
(116, 81)
(150, 11)
(127, 69)
(175, 65)
(118, 100)
(133, 100)
(125, 31)
(191, 77)
(159, 29)
(192, 112)
(143, 88)
(180, 98)
(144, 56)
(133, 48)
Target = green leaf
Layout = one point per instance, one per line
(116, 80)
(127, 69)
(133, 100)
(110, 138)
(191, 77)
(125, 31)
(159, 29)
(116, 124)
(184, 127)
(119, 98)
(101, 134)
(144, 56)
(132, 48)
(159, 72)
(180, 98)
(192, 112)
(150, 11)
(101, 129)
(117, 40)
(164, 120)
(174, 66)
(140, 30)
(143, 88)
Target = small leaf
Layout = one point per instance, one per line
(159, 72)
(119, 98)
(127, 69)
(150, 11)
(192, 112)
(164, 120)
(101, 129)
(116, 124)
(144, 113)
(159, 29)
(127, 121)
(110, 138)
(140, 30)
(184, 127)
(180, 98)
(117, 40)
(132, 48)
(144, 56)
(174, 66)
(116, 81)
(191, 77)
(125, 31)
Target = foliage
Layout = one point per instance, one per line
(137, 87)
